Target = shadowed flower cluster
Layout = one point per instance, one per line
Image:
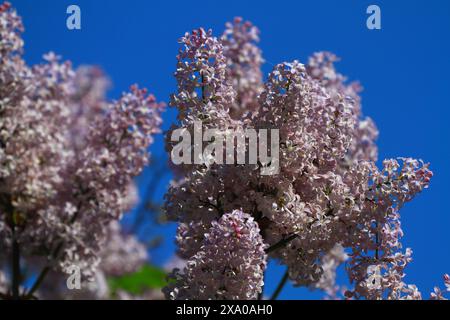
(67, 157)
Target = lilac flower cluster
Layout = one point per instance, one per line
(244, 60)
(329, 263)
(229, 264)
(328, 195)
(67, 155)
(381, 231)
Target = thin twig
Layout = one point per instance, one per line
(281, 243)
(280, 286)
(43, 273)
(37, 283)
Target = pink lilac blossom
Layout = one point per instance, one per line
(229, 265)
(328, 192)
(438, 294)
(378, 245)
(244, 60)
(329, 263)
(67, 155)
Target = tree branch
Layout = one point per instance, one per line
(280, 286)
(281, 243)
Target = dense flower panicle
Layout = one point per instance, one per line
(190, 237)
(117, 150)
(314, 125)
(243, 65)
(377, 260)
(229, 265)
(328, 192)
(203, 91)
(11, 41)
(96, 180)
(363, 147)
(32, 149)
(67, 155)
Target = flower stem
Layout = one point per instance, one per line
(281, 243)
(37, 283)
(280, 286)
(43, 273)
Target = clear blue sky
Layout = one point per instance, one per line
(404, 69)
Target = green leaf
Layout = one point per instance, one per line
(148, 277)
